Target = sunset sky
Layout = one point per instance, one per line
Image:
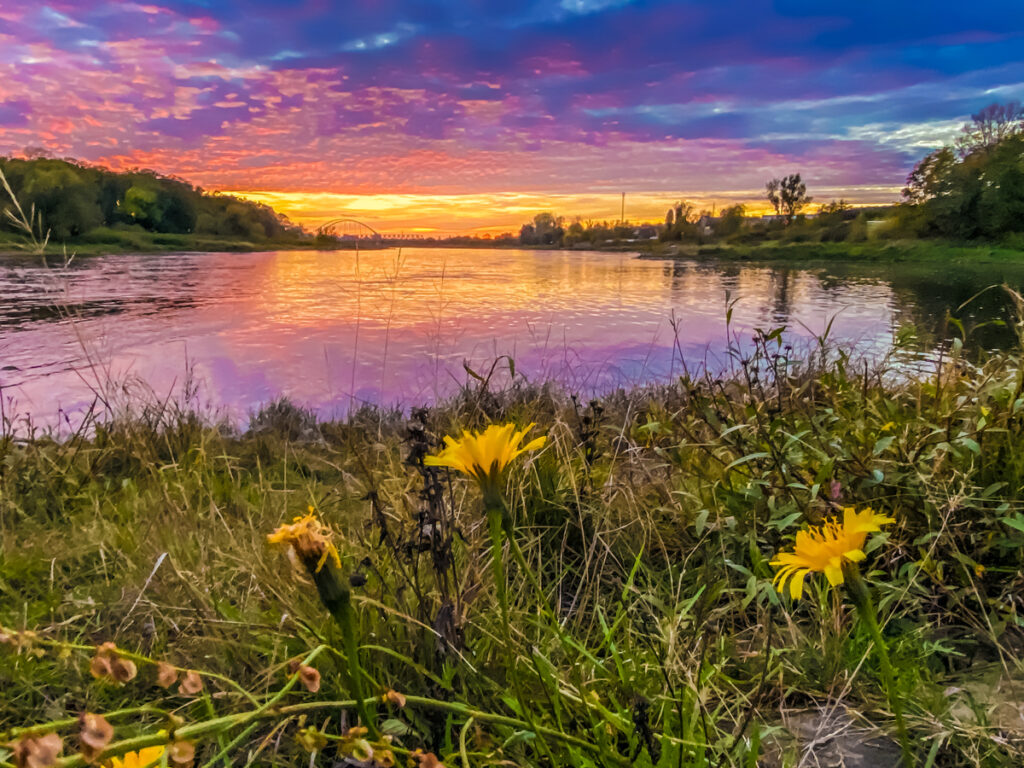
(451, 116)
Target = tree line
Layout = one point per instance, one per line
(73, 199)
(973, 188)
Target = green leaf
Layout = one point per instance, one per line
(748, 457)
(882, 443)
(787, 521)
(701, 521)
(972, 445)
(1016, 522)
(992, 489)
(394, 727)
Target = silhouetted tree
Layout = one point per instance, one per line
(990, 126)
(788, 195)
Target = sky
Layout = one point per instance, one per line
(472, 116)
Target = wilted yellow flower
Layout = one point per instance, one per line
(144, 758)
(485, 455)
(310, 539)
(824, 548)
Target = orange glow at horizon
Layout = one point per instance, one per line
(497, 213)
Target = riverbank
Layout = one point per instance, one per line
(114, 241)
(798, 254)
(872, 252)
(633, 617)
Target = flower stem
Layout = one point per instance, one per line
(495, 509)
(337, 598)
(861, 597)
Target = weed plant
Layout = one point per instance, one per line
(642, 624)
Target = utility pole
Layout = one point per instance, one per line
(622, 213)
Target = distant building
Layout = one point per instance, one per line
(706, 224)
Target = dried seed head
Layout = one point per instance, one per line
(310, 678)
(166, 675)
(421, 759)
(37, 751)
(181, 754)
(108, 663)
(191, 683)
(123, 670)
(94, 734)
(99, 667)
(394, 697)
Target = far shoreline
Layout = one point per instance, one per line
(875, 252)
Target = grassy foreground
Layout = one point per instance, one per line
(643, 627)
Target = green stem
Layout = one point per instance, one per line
(338, 600)
(495, 509)
(567, 641)
(195, 730)
(67, 722)
(211, 727)
(861, 597)
(494, 525)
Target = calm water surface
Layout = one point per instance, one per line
(330, 329)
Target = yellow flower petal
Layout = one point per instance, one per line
(824, 549)
(485, 455)
(143, 758)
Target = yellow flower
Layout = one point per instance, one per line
(144, 758)
(310, 539)
(485, 455)
(822, 549)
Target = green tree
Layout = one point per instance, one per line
(788, 195)
(141, 206)
(731, 220)
(59, 192)
(932, 177)
(73, 199)
(990, 126)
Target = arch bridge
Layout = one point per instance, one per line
(349, 229)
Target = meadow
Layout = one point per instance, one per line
(619, 609)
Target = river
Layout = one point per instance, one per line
(333, 330)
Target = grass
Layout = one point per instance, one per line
(872, 252)
(647, 521)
